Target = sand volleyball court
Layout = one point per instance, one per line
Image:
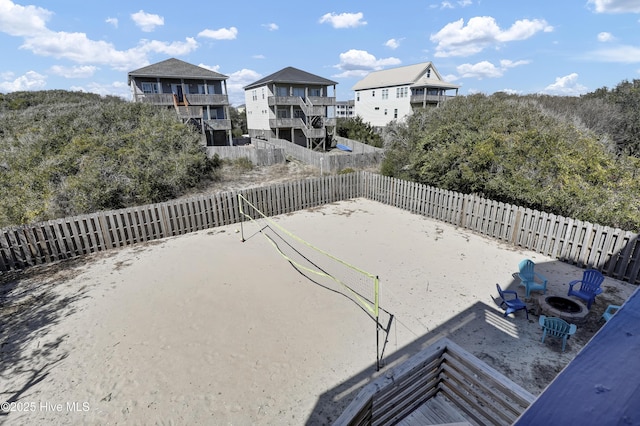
(206, 329)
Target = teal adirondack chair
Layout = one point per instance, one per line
(531, 280)
(609, 312)
(556, 327)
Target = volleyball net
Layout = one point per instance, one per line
(320, 266)
(330, 271)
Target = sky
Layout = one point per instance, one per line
(561, 47)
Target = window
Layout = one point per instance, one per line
(373, 93)
(357, 96)
(401, 92)
(315, 91)
(429, 73)
(395, 113)
(385, 111)
(385, 93)
(283, 113)
(298, 91)
(263, 93)
(149, 87)
(377, 108)
(254, 96)
(282, 91)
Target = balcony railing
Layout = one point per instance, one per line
(192, 99)
(156, 98)
(186, 112)
(297, 100)
(295, 123)
(197, 99)
(322, 100)
(219, 124)
(314, 133)
(430, 99)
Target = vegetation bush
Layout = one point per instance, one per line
(516, 149)
(358, 130)
(66, 153)
(345, 171)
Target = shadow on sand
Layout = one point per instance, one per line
(511, 345)
(31, 302)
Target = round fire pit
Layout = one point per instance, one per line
(572, 311)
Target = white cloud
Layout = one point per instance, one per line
(486, 69)
(456, 39)
(236, 82)
(117, 88)
(147, 22)
(30, 23)
(221, 34)
(175, 48)
(74, 72)
(358, 60)
(344, 20)
(566, 86)
(17, 20)
(259, 56)
(112, 21)
(605, 37)
(271, 26)
(393, 43)
(616, 6)
(214, 68)
(619, 54)
(31, 80)
(80, 49)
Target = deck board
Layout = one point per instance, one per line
(435, 411)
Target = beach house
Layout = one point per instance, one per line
(293, 105)
(198, 95)
(392, 94)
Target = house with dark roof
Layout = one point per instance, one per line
(198, 95)
(293, 105)
(393, 94)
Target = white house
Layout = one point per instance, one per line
(393, 94)
(294, 105)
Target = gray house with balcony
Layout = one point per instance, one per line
(198, 95)
(293, 105)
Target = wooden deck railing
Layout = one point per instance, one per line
(485, 396)
(613, 251)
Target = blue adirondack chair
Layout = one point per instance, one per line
(556, 327)
(589, 286)
(610, 311)
(512, 304)
(531, 280)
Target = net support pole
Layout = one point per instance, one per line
(376, 308)
(377, 344)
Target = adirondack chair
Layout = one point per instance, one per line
(589, 286)
(610, 311)
(512, 304)
(556, 327)
(531, 280)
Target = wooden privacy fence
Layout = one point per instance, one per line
(613, 251)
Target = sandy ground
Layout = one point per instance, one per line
(206, 329)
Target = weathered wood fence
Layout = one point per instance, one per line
(613, 251)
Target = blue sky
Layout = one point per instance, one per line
(561, 47)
